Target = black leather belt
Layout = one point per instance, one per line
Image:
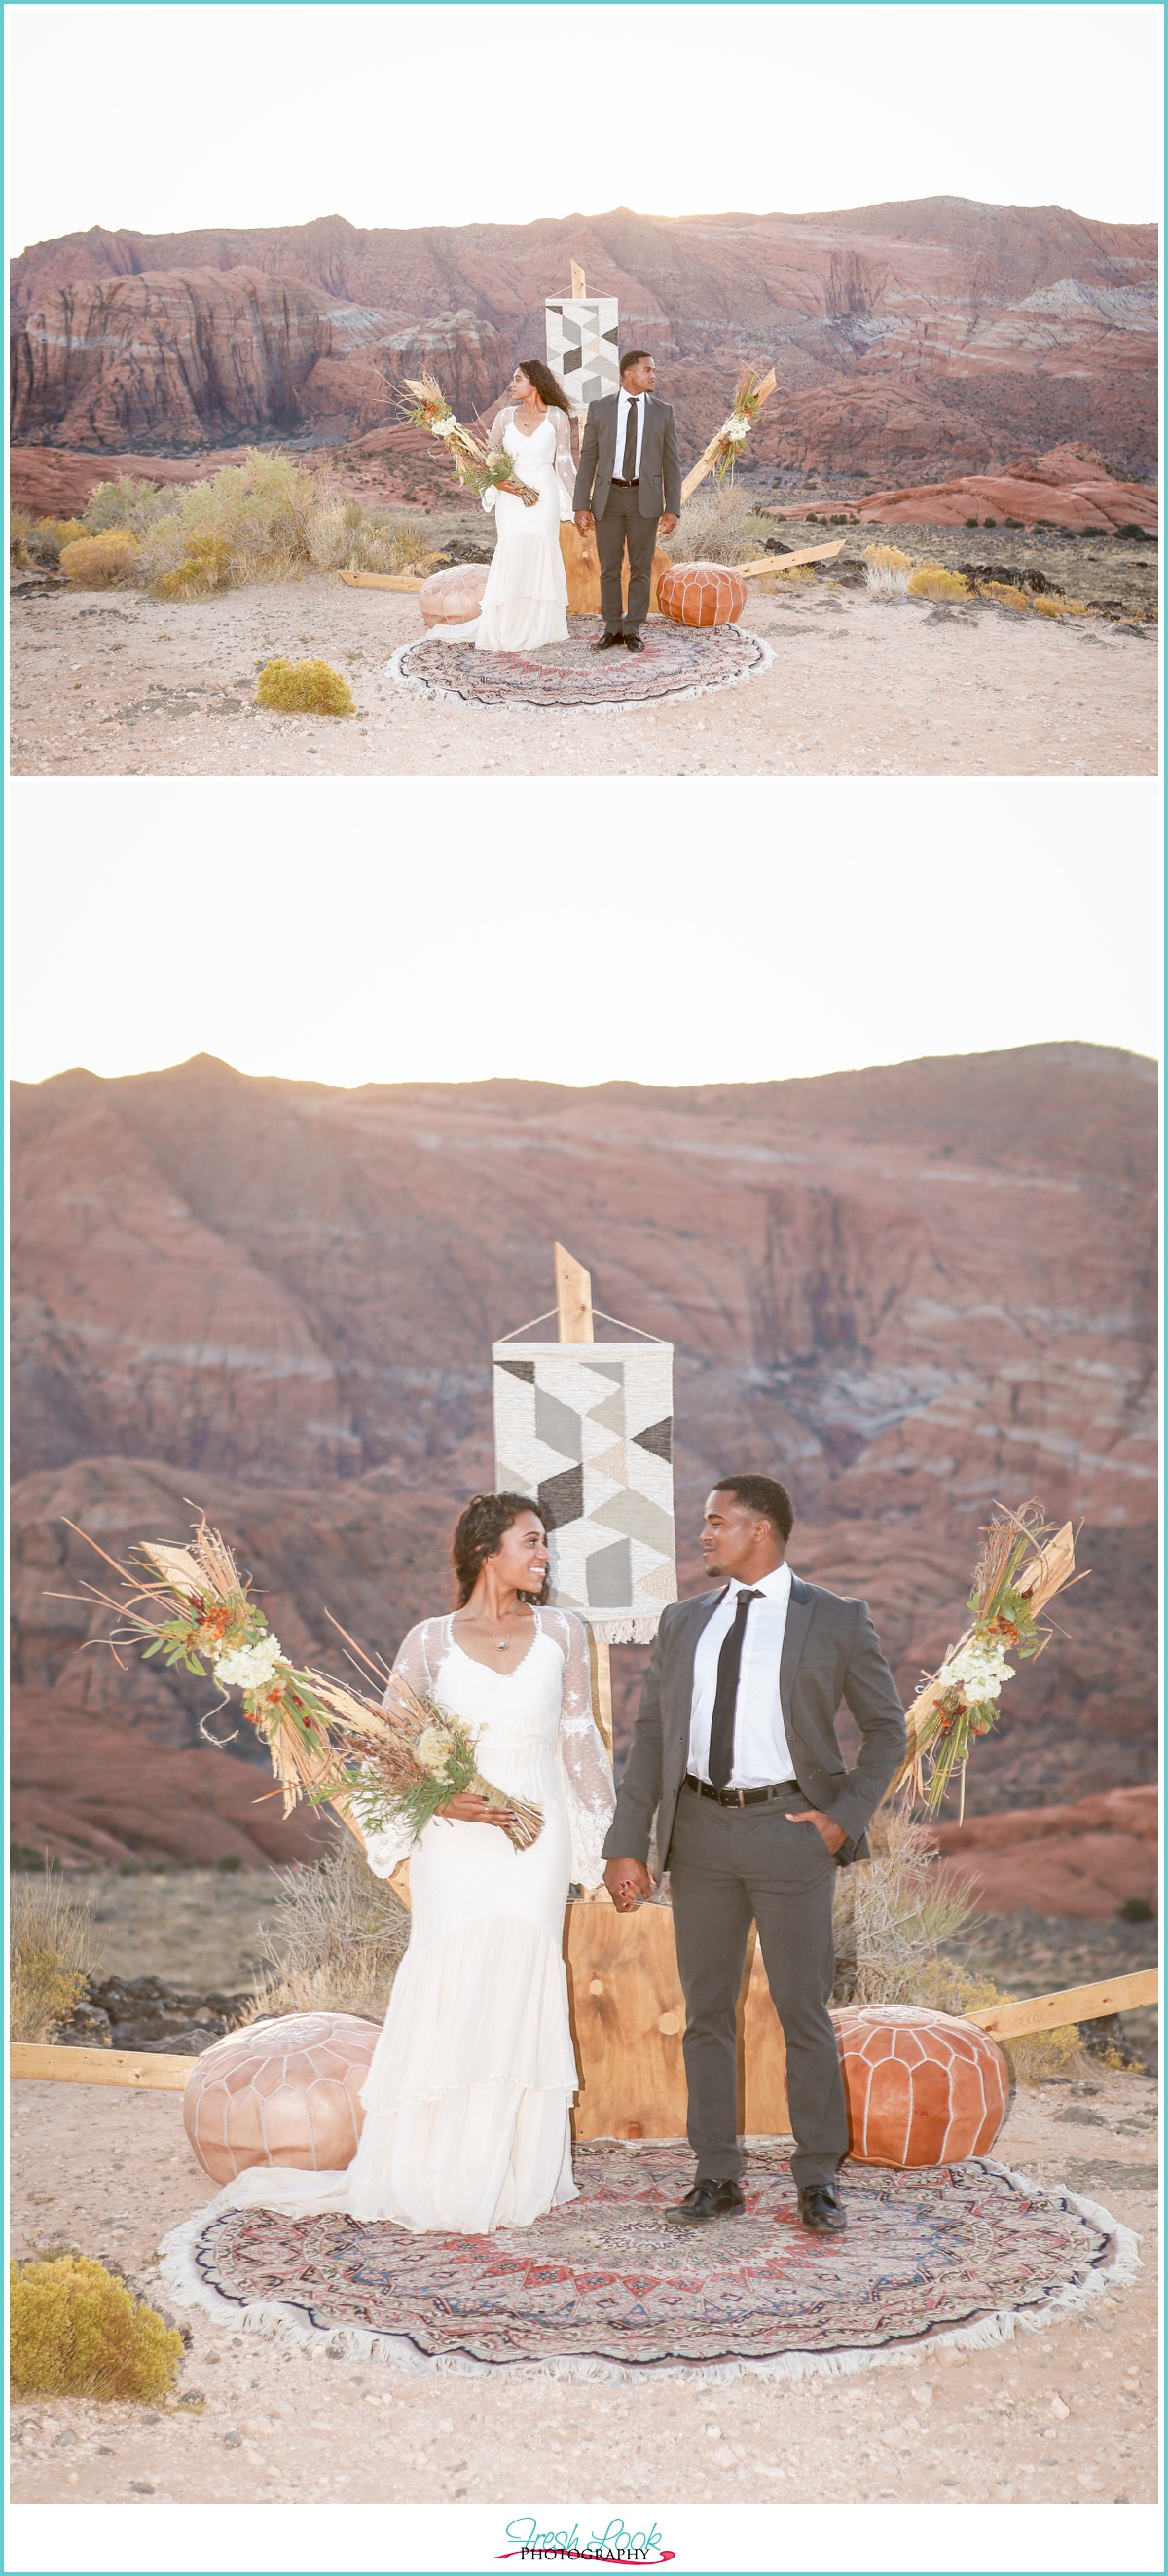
(742, 1797)
(625, 482)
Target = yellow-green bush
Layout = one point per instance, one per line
(1046, 605)
(94, 562)
(206, 566)
(1005, 593)
(128, 503)
(304, 688)
(75, 2331)
(935, 581)
(51, 1955)
(39, 541)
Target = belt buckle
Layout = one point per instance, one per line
(740, 1794)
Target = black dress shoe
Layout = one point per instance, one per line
(633, 644)
(604, 643)
(821, 2211)
(707, 2200)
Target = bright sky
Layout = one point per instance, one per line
(407, 930)
(166, 117)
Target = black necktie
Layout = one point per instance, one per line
(721, 1761)
(629, 468)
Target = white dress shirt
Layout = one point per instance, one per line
(622, 415)
(761, 1752)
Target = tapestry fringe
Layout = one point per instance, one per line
(179, 2270)
(669, 697)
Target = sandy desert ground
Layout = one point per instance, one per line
(1066, 2415)
(120, 685)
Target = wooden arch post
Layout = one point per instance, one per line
(574, 1324)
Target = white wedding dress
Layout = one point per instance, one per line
(525, 603)
(467, 2098)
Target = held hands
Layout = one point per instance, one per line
(584, 521)
(833, 1834)
(468, 1809)
(628, 1883)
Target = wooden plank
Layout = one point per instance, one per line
(573, 1298)
(101, 2066)
(627, 2015)
(787, 563)
(1073, 2003)
(579, 290)
(382, 580)
(600, 1653)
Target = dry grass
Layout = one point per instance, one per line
(334, 1941)
(267, 520)
(76, 2331)
(886, 571)
(304, 688)
(52, 1955)
(718, 526)
(128, 503)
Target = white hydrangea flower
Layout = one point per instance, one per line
(249, 1668)
(444, 428)
(978, 1670)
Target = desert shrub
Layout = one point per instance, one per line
(260, 511)
(1006, 595)
(792, 574)
(75, 2331)
(38, 542)
(886, 571)
(205, 567)
(303, 688)
(1048, 604)
(344, 537)
(127, 503)
(333, 1941)
(51, 1955)
(94, 563)
(718, 525)
(934, 581)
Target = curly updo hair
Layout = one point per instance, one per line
(479, 1531)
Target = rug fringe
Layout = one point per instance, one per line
(607, 707)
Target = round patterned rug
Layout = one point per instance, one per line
(605, 2289)
(677, 662)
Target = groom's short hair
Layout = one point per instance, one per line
(630, 359)
(764, 1495)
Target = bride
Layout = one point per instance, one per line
(468, 2094)
(525, 603)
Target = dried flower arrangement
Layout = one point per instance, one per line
(481, 467)
(402, 1758)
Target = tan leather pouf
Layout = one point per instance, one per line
(922, 2088)
(284, 2092)
(453, 595)
(701, 594)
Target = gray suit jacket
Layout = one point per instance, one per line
(830, 1653)
(660, 479)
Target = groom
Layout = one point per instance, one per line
(735, 1749)
(629, 476)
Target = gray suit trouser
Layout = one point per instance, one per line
(727, 1867)
(621, 525)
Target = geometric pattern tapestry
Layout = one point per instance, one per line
(582, 338)
(586, 1428)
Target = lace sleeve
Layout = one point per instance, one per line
(565, 469)
(417, 1661)
(584, 1764)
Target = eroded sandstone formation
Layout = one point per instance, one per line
(912, 1291)
(1069, 487)
(924, 337)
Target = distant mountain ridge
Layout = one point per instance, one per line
(970, 330)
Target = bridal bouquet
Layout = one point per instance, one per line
(481, 468)
(328, 1743)
(1024, 1562)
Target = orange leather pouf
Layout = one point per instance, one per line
(922, 2088)
(449, 597)
(701, 594)
(285, 2093)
